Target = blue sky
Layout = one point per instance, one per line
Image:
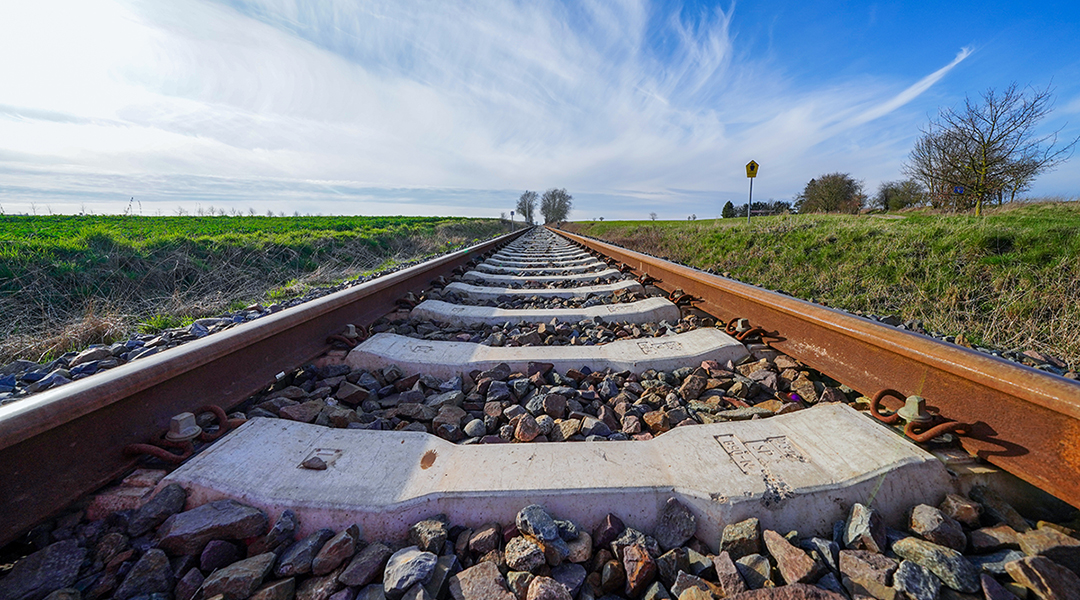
(455, 108)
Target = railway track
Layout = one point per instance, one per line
(412, 389)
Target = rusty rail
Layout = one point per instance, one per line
(62, 443)
(1023, 420)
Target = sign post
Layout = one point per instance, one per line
(512, 221)
(751, 173)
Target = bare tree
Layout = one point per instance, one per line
(555, 205)
(988, 150)
(652, 216)
(526, 206)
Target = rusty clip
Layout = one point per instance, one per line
(920, 425)
(182, 434)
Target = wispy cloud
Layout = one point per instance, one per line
(324, 101)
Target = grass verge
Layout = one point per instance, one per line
(70, 281)
(1010, 279)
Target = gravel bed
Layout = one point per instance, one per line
(544, 405)
(537, 302)
(959, 547)
(594, 332)
(22, 378)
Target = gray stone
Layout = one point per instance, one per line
(755, 570)
(481, 582)
(406, 568)
(52, 568)
(992, 590)
(831, 583)
(675, 526)
(439, 585)
(518, 582)
(151, 574)
(297, 558)
(318, 588)
(685, 581)
(656, 591)
(350, 594)
(522, 554)
(373, 591)
(915, 582)
(337, 550)
(429, 535)
(366, 565)
(864, 530)
(475, 428)
(239, 580)
(189, 531)
(995, 563)
(217, 554)
(742, 538)
(282, 589)
(535, 521)
(949, 565)
(416, 592)
(795, 591)
(169, 501)
(281, 533)
(827, 551)
(935, 526)
(570, 575)
(995, 507)
(189, 584)
(593, 426)
(670, 563)
(65, 594)
(631, 536)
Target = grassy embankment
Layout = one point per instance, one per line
(69, 281)
(1010, 279)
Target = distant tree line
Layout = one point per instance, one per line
(555, 205)
(772, 207)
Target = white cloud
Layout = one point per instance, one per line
(609, 100)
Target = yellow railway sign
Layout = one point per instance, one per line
(751, 169)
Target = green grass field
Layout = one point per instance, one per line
(67, 281)
(1010, 279)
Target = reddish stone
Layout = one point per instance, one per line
(640, 569)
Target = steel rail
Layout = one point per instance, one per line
(1023, 420)
(63, 443)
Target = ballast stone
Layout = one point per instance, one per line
(493, 279)
(489, 268)
(795, 471)
(553, 262)
(478, 292)
(649, 310)
(447, 359)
